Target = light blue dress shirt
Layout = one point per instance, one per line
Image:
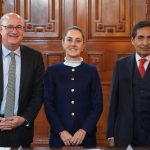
(6, 62)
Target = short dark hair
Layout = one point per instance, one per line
(139, 25)
(73, 28)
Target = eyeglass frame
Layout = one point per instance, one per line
(11, 28)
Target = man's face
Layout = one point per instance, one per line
(142, 41)
(12, 31)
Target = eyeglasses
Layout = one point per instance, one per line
(11, 28)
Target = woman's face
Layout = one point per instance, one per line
(73, 44)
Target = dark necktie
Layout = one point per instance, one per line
(10, 99)
(141, 67)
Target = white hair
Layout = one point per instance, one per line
(5, 18)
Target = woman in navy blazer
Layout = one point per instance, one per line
(73, 95)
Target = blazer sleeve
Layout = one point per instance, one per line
(113, 106)
(97, 103)
(49, 102)
(33, 98)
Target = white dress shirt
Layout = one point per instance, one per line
(137, 57)
(6, 61)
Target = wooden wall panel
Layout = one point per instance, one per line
(42, 19)
(107, 26)
(100, 24)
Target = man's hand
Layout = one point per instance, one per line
(78, 137)
(10, 123)
(5, 125)
(111, 141)
(66, 137)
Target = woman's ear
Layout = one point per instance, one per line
(62, 42)
(83, 46)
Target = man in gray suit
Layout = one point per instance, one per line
(17, 129)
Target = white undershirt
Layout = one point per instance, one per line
(73, 63)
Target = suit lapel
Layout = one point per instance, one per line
(24, 69)
(130, 65)
(1, 75)
(147, 70)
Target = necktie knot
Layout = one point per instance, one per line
(141, 66)
(142, 61)
(12, 55)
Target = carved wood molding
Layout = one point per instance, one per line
(148, 10)
(120, 27)
(96, 58)
(112, 21)
(52, 57)
(51, 18)
(42, 18)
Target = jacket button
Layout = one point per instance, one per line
(72, 114)
(73, 70)
(72, 90)
(72, 102)
(72, 78)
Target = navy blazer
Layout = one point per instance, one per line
(73, 100)
(30, 96)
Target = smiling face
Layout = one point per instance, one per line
(73, 44)
(11, 37)
(141, 42)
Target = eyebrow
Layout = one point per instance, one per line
(143, 36)
(72, 37)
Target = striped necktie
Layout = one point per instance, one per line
(10, 99)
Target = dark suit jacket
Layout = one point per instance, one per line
(87, 98)
(30, 96)
(120, 119)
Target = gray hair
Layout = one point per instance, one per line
(5, 18)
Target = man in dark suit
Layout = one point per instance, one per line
(129, 113)
(17, 129)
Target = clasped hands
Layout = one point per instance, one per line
(10, 123)
(74, 140)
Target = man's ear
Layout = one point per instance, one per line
(132, 41)
(0, 29)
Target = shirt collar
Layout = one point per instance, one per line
(6, 51)
(138, 57)
(73, 63)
